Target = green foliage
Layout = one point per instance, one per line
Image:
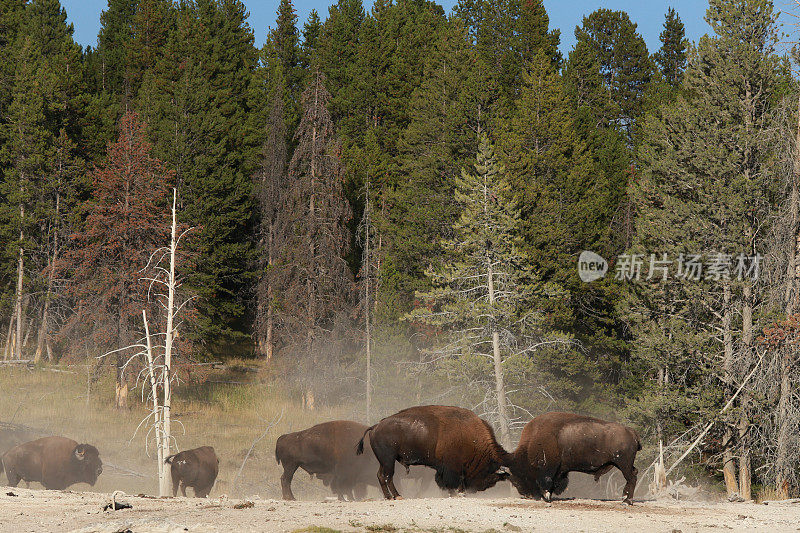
(567, 180)
(672, 55)
(199, 120)
(610, 150)
(607, 40)
(704, 188)
(482, 288)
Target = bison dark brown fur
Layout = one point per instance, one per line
(55, 462)
(327, 451)
(197, 468)
(458, 445)
(554, 444)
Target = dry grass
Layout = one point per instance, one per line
(227, 409)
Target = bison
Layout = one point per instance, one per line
(197, 468)
(328, 451)
(554, 444)
(458, 445)
(55, 462)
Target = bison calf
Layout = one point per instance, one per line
(197, 468)
(453, 441)
(554, 444)
(55, 462)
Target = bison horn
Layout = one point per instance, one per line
(503, 472)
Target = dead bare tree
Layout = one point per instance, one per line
(159, 355)
(271, 182)
(316, 281)
(368, 281)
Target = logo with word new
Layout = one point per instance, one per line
(591, 266)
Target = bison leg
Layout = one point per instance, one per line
(13, 478)
(630, 472)
(359, 492)
(394, 489)
(603, 470)
(176, 481)
(183, 489)
(560, 483)
(386, 480)
(286, 480)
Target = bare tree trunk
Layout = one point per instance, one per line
(783, 463)
(18, 297)
(745, 474)
(728, 460)
(499, 375)
(367, 301)
(313, 268)
(157, 413)
(121, 392)
(7, 350)
(367, 313)
(270, 316)
(169, 339)
(44, 326)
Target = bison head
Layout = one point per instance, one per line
(87, 464)
(493, 475)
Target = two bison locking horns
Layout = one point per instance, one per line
(463, 451)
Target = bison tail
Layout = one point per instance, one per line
(638, 441)
(360, 445)
(168, 460)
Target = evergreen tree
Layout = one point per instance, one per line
(116, 29)
(311, 32)
(202, 128)
(448, 113)
(479, 289)
(621, 55)
(42, 107)
(26, 152)
(672, 55)
(704, 190)
(337, 51)
(508, 34)
(151, 24)
(10, 19)
(568, 201)
(61, 217)
(271, 186)
(286, 45)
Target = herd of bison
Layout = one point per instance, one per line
(458, 445)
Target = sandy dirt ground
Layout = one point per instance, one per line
(39, 510)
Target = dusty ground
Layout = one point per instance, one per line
(38, 510)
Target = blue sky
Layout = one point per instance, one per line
(564, 14)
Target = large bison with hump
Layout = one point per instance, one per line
(55, 462)
(453, 441)
(554, 444)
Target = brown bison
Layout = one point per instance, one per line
(554, 444)
(55, 462)
(197, 468)
(458, 445)
(327, 451)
